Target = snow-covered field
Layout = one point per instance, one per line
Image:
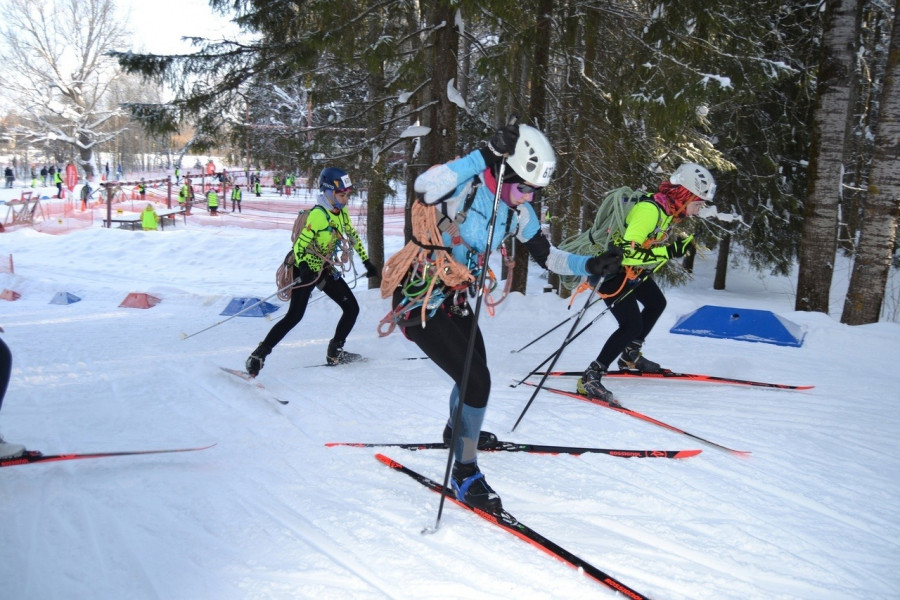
(270, 513)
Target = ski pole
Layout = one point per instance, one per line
(185, 336)
(559, 351)
(470, 350)
(552, 329)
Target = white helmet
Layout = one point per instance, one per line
(698, 180)
(533, 160)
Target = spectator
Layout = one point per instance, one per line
(10, 176)
(149, 219)
(44, 175)
(236, 198)
(212, 201)
(58, 182)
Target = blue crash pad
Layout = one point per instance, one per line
(65, 298)
(238, 304)
(740, 324)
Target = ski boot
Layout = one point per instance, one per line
(590, 386)
(486, 439)
(633, 360)
(257, 359)
(336, 355)
(8, 450)
(473, 490)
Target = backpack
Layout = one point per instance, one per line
(608, 224)
(284, 276)
(300, 222)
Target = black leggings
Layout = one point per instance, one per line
(445, 339)
(634, 323)
(5, 368)
(335, 288)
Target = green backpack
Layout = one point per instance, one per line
(608, 224)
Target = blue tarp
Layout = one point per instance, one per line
(740, 324)
(65, 298)
(238, 304)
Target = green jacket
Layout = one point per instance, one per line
(645, 233)
(320, 237)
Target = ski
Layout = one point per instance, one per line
(252, 380)
(364, 359)
(361, 359)
(668, 374)
(506, 521)
(643, 417)
(34, 456)
(531, 449)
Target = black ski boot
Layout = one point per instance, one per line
(589, 384)
(633, 360)
(472, 489)
(336, 355)
(486, 439)
(257, 359)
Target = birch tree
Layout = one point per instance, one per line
(56, 69)
(819, 241)
(879, 223)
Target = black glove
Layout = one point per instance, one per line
(678, 248)
(503, 142)
(371, 270)
(607, 263)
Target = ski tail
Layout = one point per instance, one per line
(33, 456)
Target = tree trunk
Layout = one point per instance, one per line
(879, 225)
(441, 144)
(543, 35)
(819, 241)
(722, 262)
(379, 186)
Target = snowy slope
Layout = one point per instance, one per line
(270, 512)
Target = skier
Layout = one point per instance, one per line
(7, 450)
(317, 264)
(644, 248)
(464, 190)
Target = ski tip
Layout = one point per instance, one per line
(742, 453)
(388, 461)
(687, 453)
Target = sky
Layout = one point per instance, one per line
(159, 25)
(271, 513)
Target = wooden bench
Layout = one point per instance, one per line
(133, 220)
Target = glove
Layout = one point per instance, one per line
(503, 142)
(678, 248)
(371, 270)
(607, 263)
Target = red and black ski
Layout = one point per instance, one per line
(532, 449)
(508, 522)
(643, 417)
(33, 456)
(667, 374)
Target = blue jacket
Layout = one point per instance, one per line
(451, 183)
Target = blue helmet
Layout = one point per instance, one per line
(334, 179)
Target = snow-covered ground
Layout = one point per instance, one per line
(270, 513)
